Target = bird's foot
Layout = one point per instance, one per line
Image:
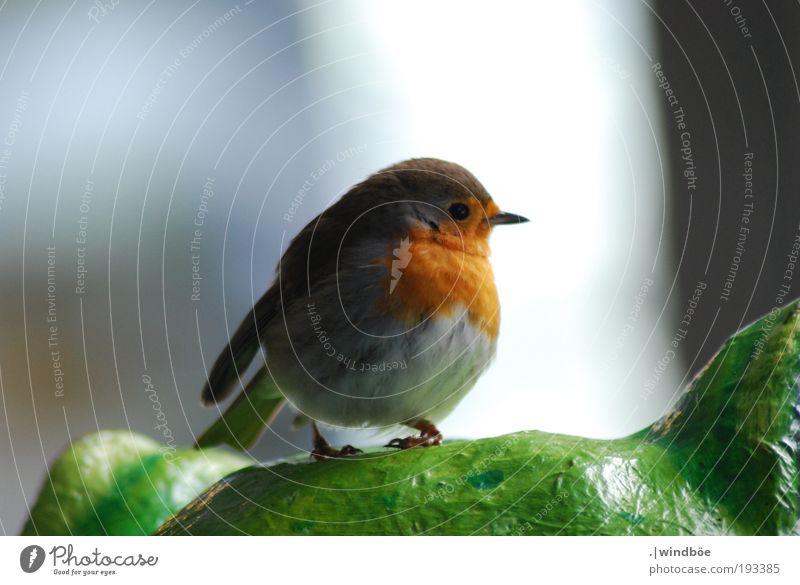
(323, 450)
(429, 436)
(327, 452)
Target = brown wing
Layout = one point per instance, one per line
(310, 258)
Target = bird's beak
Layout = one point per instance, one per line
(504, 218)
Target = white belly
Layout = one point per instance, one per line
(340, 376)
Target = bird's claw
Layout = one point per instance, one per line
(416, 441)
(395, 444)
(328, 452)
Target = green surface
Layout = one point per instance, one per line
(121, 483)
(725, 461)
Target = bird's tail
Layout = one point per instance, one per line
(246, 418)
(241, 350)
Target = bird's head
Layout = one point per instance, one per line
(444, 202)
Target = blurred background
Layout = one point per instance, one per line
(155, 158)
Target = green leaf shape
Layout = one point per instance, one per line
(117, 482)
(724, 461)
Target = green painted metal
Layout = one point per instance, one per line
(121, 483)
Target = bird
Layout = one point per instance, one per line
(383, 314)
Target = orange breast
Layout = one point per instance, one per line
(438, 280)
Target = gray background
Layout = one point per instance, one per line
(145, 104)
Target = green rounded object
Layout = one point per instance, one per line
(724, 461)
(121, 483)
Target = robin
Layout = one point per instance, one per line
(383, 312)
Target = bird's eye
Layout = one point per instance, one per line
(459, 211)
